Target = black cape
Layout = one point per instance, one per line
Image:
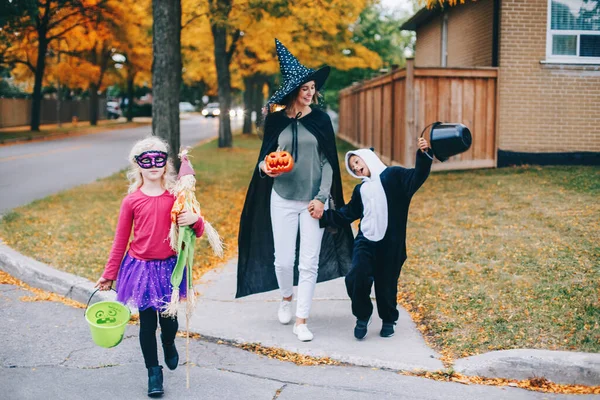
(256, 270)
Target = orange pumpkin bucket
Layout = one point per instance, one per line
(279, 161)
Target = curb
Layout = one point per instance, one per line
(561, 367)
(565, 367)
(40, 275)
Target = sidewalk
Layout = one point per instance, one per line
(254, 319)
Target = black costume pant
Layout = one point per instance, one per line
(368, 267)
(148, 324)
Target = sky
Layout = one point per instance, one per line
(398, 4)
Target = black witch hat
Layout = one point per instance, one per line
(294, 74)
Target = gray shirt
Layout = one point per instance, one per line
(312, 174)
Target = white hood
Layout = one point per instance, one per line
(375, 212)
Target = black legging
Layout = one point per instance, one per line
(148, 325)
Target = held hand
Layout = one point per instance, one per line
(423, 145)
(315, 208)
(103, 284)
(269, 173)
(186, 218)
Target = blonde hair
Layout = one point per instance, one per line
(134, 175)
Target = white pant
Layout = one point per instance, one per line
(285, 217)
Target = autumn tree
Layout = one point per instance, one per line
(223, 32)
(94, 49)
(433, 3)
(134, 58)
(377, 29)
(243, 34)
(30, 27)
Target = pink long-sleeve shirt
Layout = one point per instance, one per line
(151, 220)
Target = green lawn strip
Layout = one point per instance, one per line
(497, 259)
(8, 135)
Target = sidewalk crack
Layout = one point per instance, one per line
(286, 383)
(278, 391)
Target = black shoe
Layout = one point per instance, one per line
(155, 382)
(387, 330)
(171, 355)
(360, 330)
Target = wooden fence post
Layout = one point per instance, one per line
(409, 114)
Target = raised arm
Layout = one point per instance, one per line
(418, 175)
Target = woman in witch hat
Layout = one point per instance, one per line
(276, 210)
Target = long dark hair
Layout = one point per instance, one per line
(289, 100)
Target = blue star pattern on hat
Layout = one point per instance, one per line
(294, 74)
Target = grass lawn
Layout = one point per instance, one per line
(497, 259)
(8, 135)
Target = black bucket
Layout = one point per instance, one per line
(447, 140)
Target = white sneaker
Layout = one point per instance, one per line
(303, 333)
(285, 312)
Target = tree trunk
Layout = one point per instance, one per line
(129, 111)
(93, 104)
(166, 73)
(248, 104)
(224, 83)
(36, 100)
(259, 101)
(42, 31)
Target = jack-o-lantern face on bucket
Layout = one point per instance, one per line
(106, 317)
(279, 161)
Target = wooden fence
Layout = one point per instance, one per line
(389, 112)
(17, 112)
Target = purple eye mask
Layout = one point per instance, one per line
(152, 158)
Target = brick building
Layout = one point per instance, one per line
(548, 56)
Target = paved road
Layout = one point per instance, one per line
(46, 352)
(35, 170)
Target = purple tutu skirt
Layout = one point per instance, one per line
(147, 284)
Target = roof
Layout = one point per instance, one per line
(422, 16)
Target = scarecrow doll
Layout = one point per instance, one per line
(182, 238)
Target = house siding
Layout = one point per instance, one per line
(542, 107)
(428, 47)
(470, 34)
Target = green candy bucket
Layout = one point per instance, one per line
(107, 321)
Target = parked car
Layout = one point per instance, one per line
(185, 106)
(113, 111)
(236, 112)
(211, 110)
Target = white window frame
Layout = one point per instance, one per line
(444, 47)
(560, 59)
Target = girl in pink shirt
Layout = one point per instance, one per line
(143, 271)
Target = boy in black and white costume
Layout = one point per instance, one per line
(381, 201)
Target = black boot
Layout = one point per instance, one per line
(155, 382)
(171, 355)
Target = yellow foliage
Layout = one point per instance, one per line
(317, 33)
(433, 3)
(82, 42)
